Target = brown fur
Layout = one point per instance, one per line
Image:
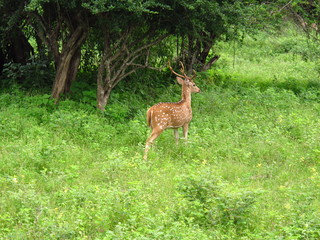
(163, 115)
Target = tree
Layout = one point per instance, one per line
(204, 22)
(129, 31)
(63, 27)
(123, 55)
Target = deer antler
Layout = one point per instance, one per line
(194, 74)
(177, 74)
(182, 70)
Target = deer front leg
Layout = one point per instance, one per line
(185, 131)
(155, 133)
(176, 135)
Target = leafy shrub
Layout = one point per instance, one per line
(118, 112)
(206, 201)
(83, 90)
(34, 74)
(304, 226)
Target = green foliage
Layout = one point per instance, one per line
(79, 174)
(35, 74)
(209, 202)
(249, 171)
(137, 7)
(288, 61)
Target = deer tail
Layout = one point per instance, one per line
(149, 114)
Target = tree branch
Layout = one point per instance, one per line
(210, 63)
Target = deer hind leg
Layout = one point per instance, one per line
(185, 131)
(155, 133)
(176, 135)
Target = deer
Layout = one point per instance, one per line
(174, 115)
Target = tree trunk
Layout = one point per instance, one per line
(73, 70)
(104, 86)
(41, 48)
(195, 52)
(19, 49)
(68, 63)
(2, 61)
(208, 65)
(103, 97)
(63, 74)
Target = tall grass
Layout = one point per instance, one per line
(250, 169)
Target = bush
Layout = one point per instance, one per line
(207, 201)
(36, 74)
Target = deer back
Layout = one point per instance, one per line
(169, 115)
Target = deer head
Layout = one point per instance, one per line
(184, 80)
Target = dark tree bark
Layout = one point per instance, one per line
(2, 61)
(18, 48)
(195, 52)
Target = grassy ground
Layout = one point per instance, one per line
(250, 170)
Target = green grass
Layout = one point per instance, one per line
(284, 59)
(250, 169)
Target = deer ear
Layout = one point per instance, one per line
(180, 80)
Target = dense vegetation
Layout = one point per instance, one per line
(116, 38)
(250, 170)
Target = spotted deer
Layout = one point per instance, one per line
(173, 115)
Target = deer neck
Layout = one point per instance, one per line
(186, 96)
